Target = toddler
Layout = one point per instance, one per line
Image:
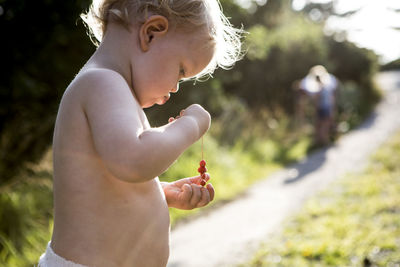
(110, 209)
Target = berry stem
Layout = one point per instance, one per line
(202, 152)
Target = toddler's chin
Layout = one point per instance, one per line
(163, 100)
(147, 105)
(160, 101)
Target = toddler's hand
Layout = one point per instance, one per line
(201, 115)
(171, 119)
(187, 193)
(197, 112)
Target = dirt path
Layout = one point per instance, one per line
(231, 234)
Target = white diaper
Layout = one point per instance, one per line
(51, 259)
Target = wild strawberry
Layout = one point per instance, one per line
(202, 169)
(203, 182)
(202, 163)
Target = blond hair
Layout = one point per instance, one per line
(182, 13)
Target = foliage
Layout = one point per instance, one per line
(393, 65)
(285, 56)
(26, 216)
(355, 223)
(355, 65)
(42, 51)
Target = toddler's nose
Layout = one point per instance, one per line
(176, 89)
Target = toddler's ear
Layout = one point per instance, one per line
(155, 26)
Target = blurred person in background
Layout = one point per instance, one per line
(321, 87)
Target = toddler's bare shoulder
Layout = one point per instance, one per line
(98, 79)
(100, 85)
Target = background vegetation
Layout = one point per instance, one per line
(253, 105)
(393, 65)
(355, 223)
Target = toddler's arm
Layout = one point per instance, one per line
(129, 151)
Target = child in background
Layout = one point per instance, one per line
(321, 87)
(110, 209)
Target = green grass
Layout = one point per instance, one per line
(26, 217)
(355, 223)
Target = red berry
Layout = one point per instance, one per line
(202, 169)
(203, 183)
(203, 176)
(202, 163)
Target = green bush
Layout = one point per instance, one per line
(26, 220)
(393, 65)
(351, 64)
(42, 52)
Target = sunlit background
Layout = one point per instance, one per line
(257, 125)
(375, 25)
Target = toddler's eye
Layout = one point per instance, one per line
(182, 72)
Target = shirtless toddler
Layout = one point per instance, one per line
(110, 207)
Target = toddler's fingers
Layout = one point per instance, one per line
(182, 112)
(195, 180)
(189, 180)
(196, 195)
(171, 119)
(205, 197)
(211, 190)
(206, 176)
(186, 193)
